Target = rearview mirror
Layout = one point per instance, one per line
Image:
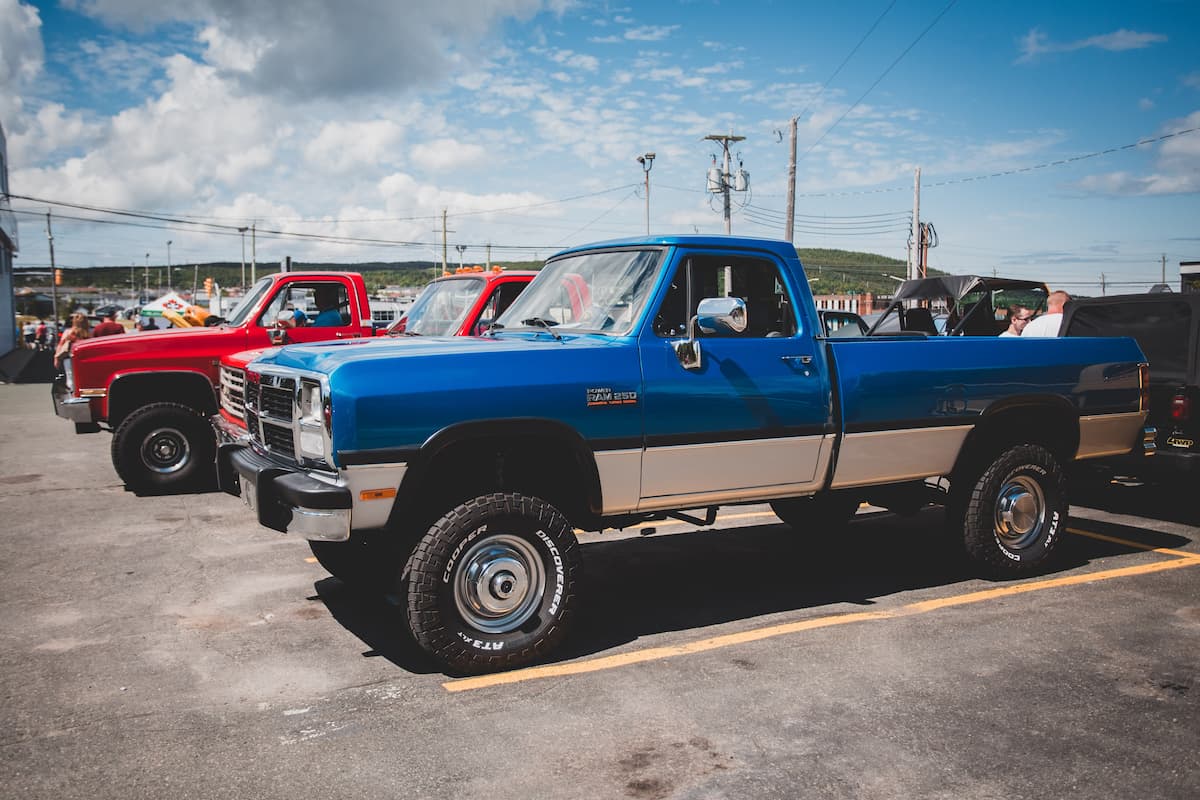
(713, 315)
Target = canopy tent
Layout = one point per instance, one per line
(168, 302)
(959, 286)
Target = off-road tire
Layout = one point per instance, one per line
(492, 584)
(165, 448)
(817, 514)
(1014, 513)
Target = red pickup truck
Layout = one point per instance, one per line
(156, 390)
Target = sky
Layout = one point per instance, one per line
(1047, 134)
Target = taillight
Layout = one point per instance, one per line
(1144, 385)
(1181, 408)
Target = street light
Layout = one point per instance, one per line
(461, 248)
(169, 277)
(647, 161)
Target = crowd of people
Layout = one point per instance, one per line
(52, 335)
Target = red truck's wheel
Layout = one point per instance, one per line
(1016, 511)
(492, 584)
(164, 447)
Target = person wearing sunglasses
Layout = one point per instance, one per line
(1018, 318)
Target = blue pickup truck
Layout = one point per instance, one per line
(645, 379)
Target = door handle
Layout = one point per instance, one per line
(794, 360)
(346, 335)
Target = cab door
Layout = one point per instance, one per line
(755, 418)
(316, 309)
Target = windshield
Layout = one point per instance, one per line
(242, 310)
(587, 293)
(440, 309)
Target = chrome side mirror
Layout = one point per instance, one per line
(278, 336)
(713, 315)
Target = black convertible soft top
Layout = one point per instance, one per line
(1165, 325)
(959, 286)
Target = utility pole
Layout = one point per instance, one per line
(445, 246)
(242, 230)
(647, 161)
(722, 185)
(195, 281)
(170, 279)
(253, 254)
(791, 197)
(1164, 268)
(914, 250)
(489, 257)
(53, 274)
(1103, 281)
(147, 276)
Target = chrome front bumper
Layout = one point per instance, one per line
(285, 499)
(75, 409)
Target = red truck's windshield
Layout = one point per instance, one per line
(441, 308)
(249, 302)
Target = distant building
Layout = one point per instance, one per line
(858, 303)
(1189, 277)
(8, 248)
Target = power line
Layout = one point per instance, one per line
(863, 96)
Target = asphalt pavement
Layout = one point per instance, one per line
(169, 647)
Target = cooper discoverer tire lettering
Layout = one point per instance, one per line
(492, 584)
(165, 447)
(1016, 511)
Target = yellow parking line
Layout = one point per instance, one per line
(1180, 559)
(1138, 545)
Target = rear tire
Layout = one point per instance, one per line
(492, 584)
(165, 448)
(1015, 512)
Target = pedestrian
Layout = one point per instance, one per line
(108, 326)
(29, 332)
(77, 332)
(1048, 324)
(40, 334)
(1018, 320)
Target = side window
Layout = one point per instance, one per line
(497, 304)
(769, 309)
(317, 304)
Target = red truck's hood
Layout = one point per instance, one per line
(97, 361)
(241, 359)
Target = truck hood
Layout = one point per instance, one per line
(327, 357)
(397, 392)
(184, 342)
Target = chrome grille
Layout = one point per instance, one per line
(276, 401)
(279, 439)
(233, 392)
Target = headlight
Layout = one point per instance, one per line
(312, 438)
(70, 374)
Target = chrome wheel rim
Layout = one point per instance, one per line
(499, 584)
(1020, 512)
(165, 450)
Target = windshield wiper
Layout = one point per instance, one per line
(541, 322)
(491, 329)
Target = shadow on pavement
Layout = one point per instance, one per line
(654, 584)
(1167, 500)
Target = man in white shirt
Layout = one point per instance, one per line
(1047, 324)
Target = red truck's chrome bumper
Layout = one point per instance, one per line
(75, 409)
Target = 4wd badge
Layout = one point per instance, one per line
(605, 396)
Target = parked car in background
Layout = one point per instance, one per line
(1167, 327)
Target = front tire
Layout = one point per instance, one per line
(165, 448)
(1016, 512)
(492, 584)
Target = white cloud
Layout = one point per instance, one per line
(1176, 167)
(1145, 104)
(1036, 43)
(1192, 79)
(576, 60)
(447, 154)
(21, 55)
(650, 33)
(341, 145)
